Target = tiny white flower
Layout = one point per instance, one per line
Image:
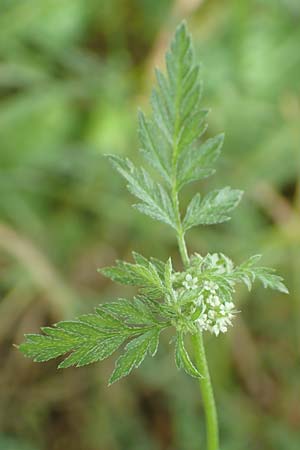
(210, 286)
(222, 310)
(209, 299)
(229, 306)
(202, 319)
(211, 314)
(222, 321)
(226, 308)
(190, 282)
(215, 330)
(203, 322)
(214, 300)
(223, 328)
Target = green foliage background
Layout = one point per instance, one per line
(72, 74)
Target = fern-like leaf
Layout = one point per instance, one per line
(94, 337)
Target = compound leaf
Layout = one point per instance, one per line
(94, 337)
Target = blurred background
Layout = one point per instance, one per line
(72, 74)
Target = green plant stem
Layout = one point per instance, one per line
(182, 248)
(206, 389)
(212, 432)
(180, 234)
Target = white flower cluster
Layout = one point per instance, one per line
(216, 314)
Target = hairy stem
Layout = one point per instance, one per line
(212, 432)
(182, 248)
